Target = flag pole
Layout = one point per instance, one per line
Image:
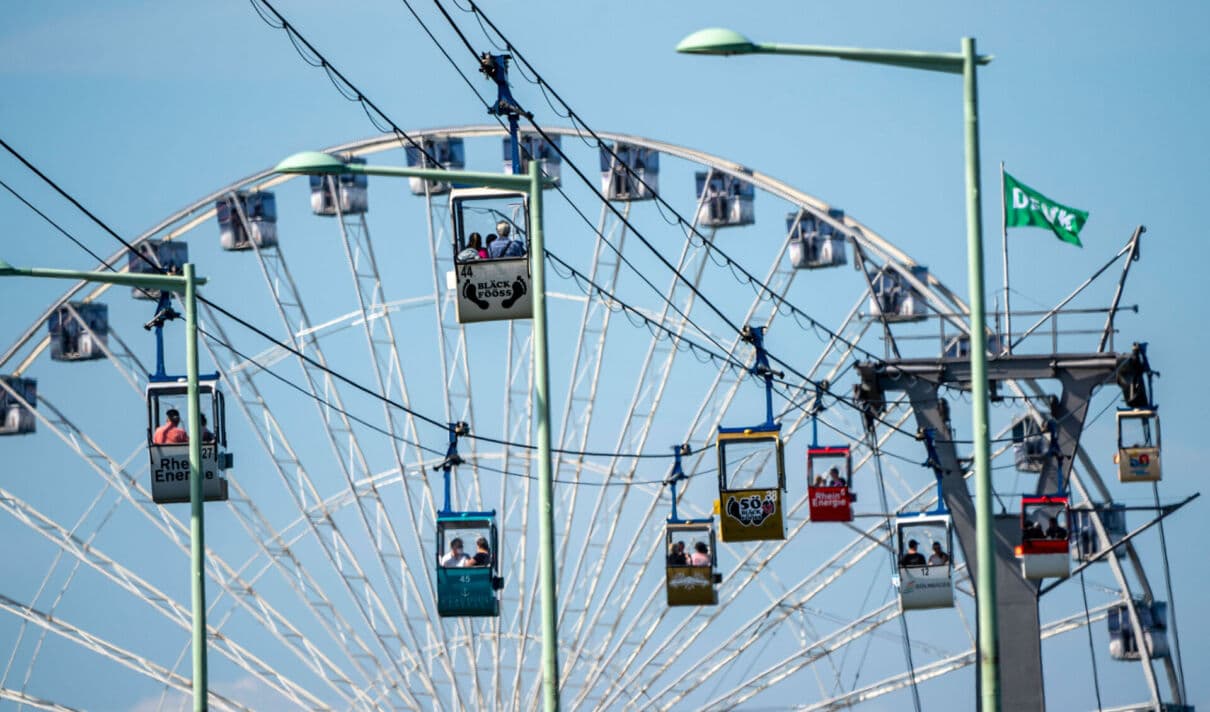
(1008, 317)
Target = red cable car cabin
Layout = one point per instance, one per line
(829, 484)
(1044, 549)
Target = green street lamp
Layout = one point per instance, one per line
(185, 283)
(717, 41)
(316, 163)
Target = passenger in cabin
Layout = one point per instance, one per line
(677, 556)
(483, 553)
(505, 245)
(207, 435)
(834, 479)
(912, 557)
(701, 554)
(454, 557)
(1054, 531)
(487, 245)
(819, 481)
(473, 250)
(938, 557)
(1033, 530)
(171, 432)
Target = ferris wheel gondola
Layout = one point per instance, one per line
(342, 194)
(15, 417)
(79, 331)
(815, 243)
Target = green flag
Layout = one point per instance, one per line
(1026, 207)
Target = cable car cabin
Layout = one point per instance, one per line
(15, 417)
(78, 331)
(1085, 544)
(829, 484)
(815, 243)
(1044, 550)
(750, 505)
(925, 569)
(169, 256)
(341, 194)
(491, 255)
(724, 200)
(245, 218)
(168, 440)
(618, 183)
(1138, 455)
(691, 568)
(468, 565)
(1124, 644)
(449, 152)
(896, 298)
(533, 145)
(1031, 446)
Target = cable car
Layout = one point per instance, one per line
(691, 572)
(448, 151)
(750, 505)
(467, 557)
(15, 417)
(1138, 455)
(724, 200)
(491, 255)
(1124, 644)
(1085, 544)
(640, 182)
(1031, 446)
(815, 243)
(895, 298)
(830, 483)
(78, 331)
(168, 440)
(168, 255)
(533, 145)
(245, 218)
(346, 191)
(1044, 549)
(921, 539)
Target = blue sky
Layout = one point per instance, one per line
(141, 108)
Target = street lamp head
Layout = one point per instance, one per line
(312, 163)
(716, 40)
(6, 269)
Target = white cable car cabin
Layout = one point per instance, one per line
(342, 193)
(1138, 456)
(691, 572)
(449, 153)
(15, 417)
(830, 483)
(641, 182)
(1085, 544)
(78, 331)
(925, 566)
(815, 243)
(245, 218)
(750, 501)
(1031, 446)
(533, 145)
(168, 440)
(724, 200)
(491, 255)
(167, 255)
(896, 298)
(1044, 550)
(1124, 644)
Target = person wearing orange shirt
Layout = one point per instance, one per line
(171, 432)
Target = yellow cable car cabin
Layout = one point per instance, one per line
(491, 255)
(1138, 455)
(751, 479)
(691, 570)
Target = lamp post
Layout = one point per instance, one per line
(186, 284)
(717, 41)
(316, 163)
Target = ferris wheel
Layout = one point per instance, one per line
(379, 411)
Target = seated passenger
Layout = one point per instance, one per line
(207, 436)
(701, 554)
(912, 557)
(171, 432)
(938, 557)
(1033, 530)
(473, 249)
(834, 479)
(454, 557)
(1054, 531)
(676, 557)
(819, 481)
(483, 554)
(505, 245)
